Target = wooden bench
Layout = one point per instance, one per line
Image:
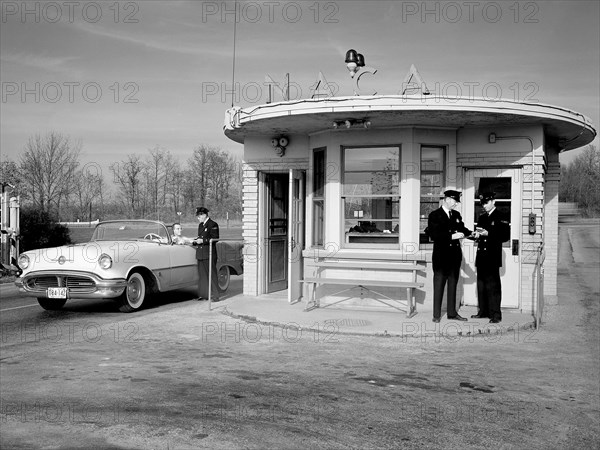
(410, 306)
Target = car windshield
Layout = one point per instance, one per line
(128, 230)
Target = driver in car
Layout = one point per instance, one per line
(177, 237)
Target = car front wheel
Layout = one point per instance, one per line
(51, 304)
(135, 293)
(224, 278)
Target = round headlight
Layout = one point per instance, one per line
(23, 261)
(105, 261)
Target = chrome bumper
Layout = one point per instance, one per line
(84, 285)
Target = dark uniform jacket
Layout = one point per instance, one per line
(489, 248)
(207, 231)
(447, 252)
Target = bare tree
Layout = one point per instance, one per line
(157, 186)
(175, 187)
(580, 180)
(212, 176)
(170, 166)
(159, 167)
(47, 168)
(199, 171)
(128, 175)
(9, 175)
(88, 191)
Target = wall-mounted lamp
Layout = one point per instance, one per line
(351, 123)
(492, 138)
(354, 61)
(280, 144)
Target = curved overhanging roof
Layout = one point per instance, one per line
(567, 128)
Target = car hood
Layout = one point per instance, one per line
(84, 257)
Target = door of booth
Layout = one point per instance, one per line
(277, 231)
(507, 184)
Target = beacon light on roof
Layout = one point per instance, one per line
(354, 61)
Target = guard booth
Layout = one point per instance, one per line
(10, 233)
(353, 179)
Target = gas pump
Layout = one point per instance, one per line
(10, 232)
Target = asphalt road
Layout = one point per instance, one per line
(177, 376)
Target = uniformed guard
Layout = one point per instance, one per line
(445, 226)
(207, 229)
(492, 230)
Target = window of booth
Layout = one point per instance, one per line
(318, 197)
(433, 180)
(501, 186)
(371, 195)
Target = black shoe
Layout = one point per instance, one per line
(215, 300)
(495, 321)
(436, 320)
(457, 317)
(479, 316)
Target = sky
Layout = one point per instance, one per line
(125, 77)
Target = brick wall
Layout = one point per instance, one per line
(551, 226)
(250, 228)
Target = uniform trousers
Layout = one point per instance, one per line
(489, 292)
(440, 276)
(203, 268)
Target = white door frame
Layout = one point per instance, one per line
(510, 272)
(261, 252)
(296, 225)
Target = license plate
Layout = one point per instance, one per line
(57, 292)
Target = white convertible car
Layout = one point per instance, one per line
(125, 260)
